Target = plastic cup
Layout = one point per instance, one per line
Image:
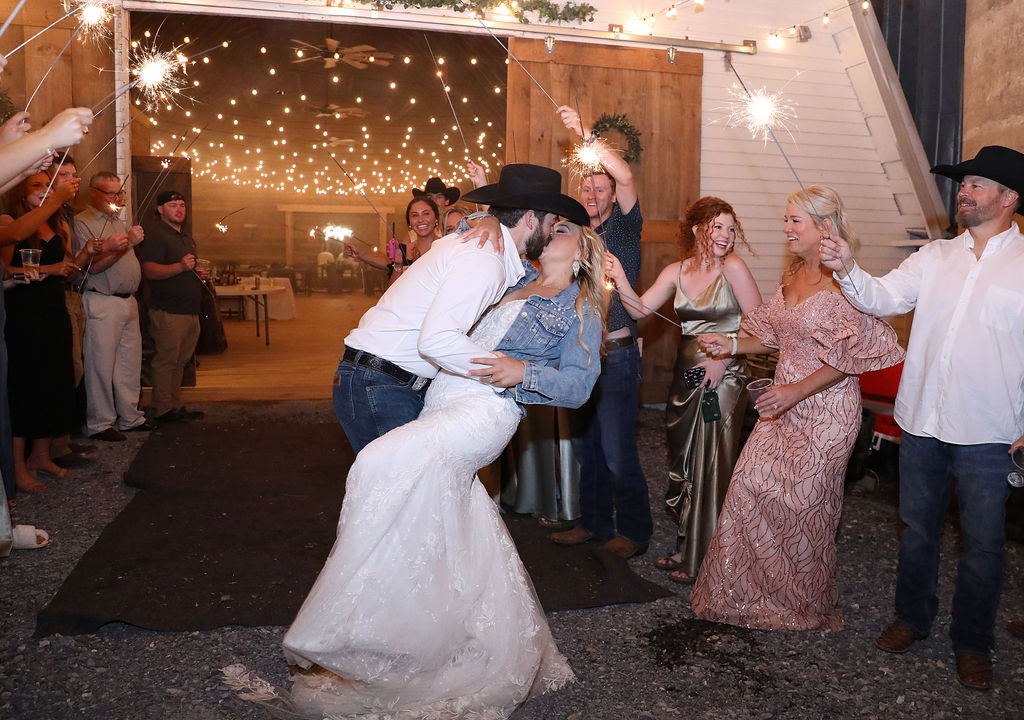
(1016, 477)
(757, 388)
(30, 258)
(203, 269)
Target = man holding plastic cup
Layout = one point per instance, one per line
(168, 258)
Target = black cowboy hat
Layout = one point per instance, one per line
(436, 185)
(995, 162)
(531, 187)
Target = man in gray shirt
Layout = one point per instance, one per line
(113, 343)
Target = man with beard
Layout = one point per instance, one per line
(421, 324)
(960, 402)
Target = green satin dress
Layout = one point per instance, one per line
(702, 455)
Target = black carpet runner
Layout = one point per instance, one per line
(233, 522)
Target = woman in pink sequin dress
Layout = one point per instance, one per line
(772, 559)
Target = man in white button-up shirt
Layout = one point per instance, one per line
(960, 402)
(422, 323)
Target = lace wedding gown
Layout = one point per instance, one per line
(423, 609)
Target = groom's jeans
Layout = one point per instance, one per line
(928, 470)
(370, 403)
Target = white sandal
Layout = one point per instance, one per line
(26, 537)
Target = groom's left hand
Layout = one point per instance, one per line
(501, 371)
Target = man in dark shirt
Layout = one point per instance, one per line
(168, 263)
(614, 503)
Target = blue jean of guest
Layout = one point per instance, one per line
(370, 403)
(928, 470)
(613, 489)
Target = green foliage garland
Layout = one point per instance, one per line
(628, 130)
(546, 11)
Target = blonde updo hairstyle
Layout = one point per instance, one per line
(823, 204)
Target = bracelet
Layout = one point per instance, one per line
(735, 345)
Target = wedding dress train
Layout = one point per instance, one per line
(423, 608)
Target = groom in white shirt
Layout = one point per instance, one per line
(960, 402)
(421, 324)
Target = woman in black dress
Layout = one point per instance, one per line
(40, 376)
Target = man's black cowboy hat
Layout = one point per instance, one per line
(995, 162)
(531, 187)
(436, 185)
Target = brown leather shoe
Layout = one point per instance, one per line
(576, 536)
(624, 548)
(1016, 628)
(974, 671)
(896, 638)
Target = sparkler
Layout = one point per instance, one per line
(220, 226)
(535, 82)
(360, 189)
(759, 111)
(157, 77)
(94, 16)
(107, 144)
(166, 168)
(52, 65)
(765, 112)
(447, 94)
(10, 18)
(66, 15)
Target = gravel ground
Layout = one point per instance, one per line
(644, 662)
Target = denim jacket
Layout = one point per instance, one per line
(559, 370)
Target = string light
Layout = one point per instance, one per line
(300, 174)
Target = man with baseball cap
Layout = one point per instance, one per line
(168, 258)
(960, 402)
(422, 323)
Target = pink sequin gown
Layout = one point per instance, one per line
(772, 559)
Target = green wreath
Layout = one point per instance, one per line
(621, 123)
(546, 11)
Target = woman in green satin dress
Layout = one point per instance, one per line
(712, 289)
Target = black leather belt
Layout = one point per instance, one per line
(374, 362)
(616, 343)
(120, 295)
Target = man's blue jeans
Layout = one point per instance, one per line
(613, 490)
(928, 470)
(370, 403)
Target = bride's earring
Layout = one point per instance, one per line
(575, 268)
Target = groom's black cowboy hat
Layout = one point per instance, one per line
(436, 185)
(531, 187)
(995, 162)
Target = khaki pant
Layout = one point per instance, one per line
(73, 301)
(113, 363)
(174, 340)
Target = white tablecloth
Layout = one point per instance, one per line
(282, 304)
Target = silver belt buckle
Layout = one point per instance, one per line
(420, 383)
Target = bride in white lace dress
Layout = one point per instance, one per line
(424, 609)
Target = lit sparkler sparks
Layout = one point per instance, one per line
(585, 158)
(760, 111)
(221, 227)
(157, 75)
(94, 16)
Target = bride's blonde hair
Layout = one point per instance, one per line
(590, 277)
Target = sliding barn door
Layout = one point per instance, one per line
(663, 101)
